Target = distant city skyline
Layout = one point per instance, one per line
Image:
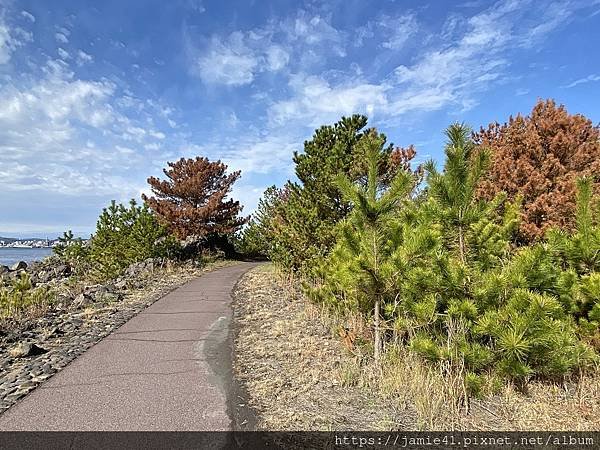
(40, 236)
(97, 96)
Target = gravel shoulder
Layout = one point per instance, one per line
(290, 367)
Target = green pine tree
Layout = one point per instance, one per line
(363, 239)
(454, 188)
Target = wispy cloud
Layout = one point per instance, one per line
(589, 79)
(61, 38)
(83, 57)
(61, 134)
(11, 38)
(445, 74)
(391, 31)
(237, 58)
(315, 101)
(28, 16)
(229, 61)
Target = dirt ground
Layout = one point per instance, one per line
(296, 374)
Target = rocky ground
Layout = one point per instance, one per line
(292, 367)
(34, 348)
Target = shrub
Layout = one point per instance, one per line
(21, 296)
(74, 251)
(446, 272)
(362, 242)
(256, 238)
(303, 223)
(125, 235)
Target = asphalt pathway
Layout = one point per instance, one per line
(166, 369)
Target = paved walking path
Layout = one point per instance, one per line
(168, 368)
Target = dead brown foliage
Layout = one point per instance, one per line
(539, 157)
(192, 200)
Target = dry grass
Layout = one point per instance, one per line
(23, 303)
(421, 388)
(296, 372)
(571, 405)
(293, 361)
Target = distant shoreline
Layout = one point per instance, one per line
(12, 255)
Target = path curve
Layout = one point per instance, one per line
(166, 369)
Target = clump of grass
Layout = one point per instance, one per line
(21, 298)
(421, 387)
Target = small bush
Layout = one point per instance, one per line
(125, 235)
(73, 251)
(21, 296)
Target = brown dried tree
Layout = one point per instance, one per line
(540, 157)
(191, 201)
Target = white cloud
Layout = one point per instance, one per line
(397, 30)
(228, 62)
(11, 39)
(62, 135)
(134, 133)
(277, 57)
(153, 146)
(196, 5)
(61, 38)
(28, 16)
(312, 29)
(363, 33)
(256, 155)
(252, 153)
(5, 44)
(83, 57)
(479, 56)
(450, 73)
(57, 99)
(236, 59)
(588, 79)
(157, 134)
(63, 53)
(392, 32)
(315, 101)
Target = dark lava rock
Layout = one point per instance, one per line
(21, 265)
(64, 299)
(47, 368)
(54, 332)
(26, 349)
(4, 269)
(83, 299)
(43, 276)
(63, 270)
(75, 321)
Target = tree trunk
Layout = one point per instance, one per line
(377, 346)
(461, 244)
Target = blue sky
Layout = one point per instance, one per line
(97, 96)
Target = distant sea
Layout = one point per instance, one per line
(10, 255)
